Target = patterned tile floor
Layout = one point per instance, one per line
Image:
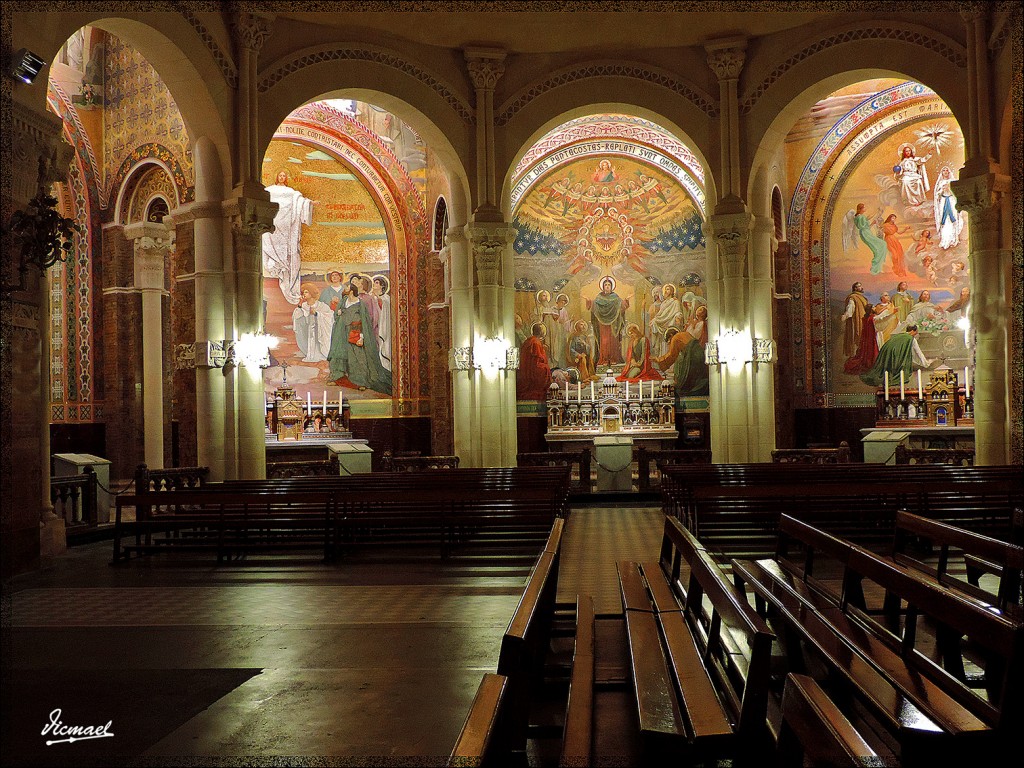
(374, 660)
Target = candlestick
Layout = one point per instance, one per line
(903, 394)
(920, 389)
(887, 386)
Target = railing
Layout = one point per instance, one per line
(387, 458)
(74, 498)
(648, 478)
(959, 456)
(840, 455)
(416, 463)
(174, 478)
(578, 461)
(325, 468)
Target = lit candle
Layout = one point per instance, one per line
(309, 404)
(967, 381)
(579, 392)
(886, 386)
(591, 390)
(920, 388)
(567, 391)
(652, 390)
(325, 402)
(627, 389)
(903, 394)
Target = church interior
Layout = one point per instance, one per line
(488, 384)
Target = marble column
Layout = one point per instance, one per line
(742, 394)
(152, 245)
(466, 447)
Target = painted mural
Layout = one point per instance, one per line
(884, 242)
(326, 272)
(610, 271)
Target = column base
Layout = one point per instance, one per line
(53, 538)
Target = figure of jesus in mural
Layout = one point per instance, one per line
(281, 252)
(608, 314)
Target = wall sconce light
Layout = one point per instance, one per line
(739, 347)
(490, 354)
(25, 66)
(964, 324)
(253, 349)
(41, 236)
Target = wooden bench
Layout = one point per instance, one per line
(482, 741)
(577, 732)
(934, 683)
(978, 566)
(646, 457)
(815, 732)
(581, 460)
(955, 456)
(840, 455)
(699, 656)
(1001, 558)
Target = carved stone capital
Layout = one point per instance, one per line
(202, 209)
(184, 357)
(490, 241)
(726, 57)
(250, 216)
(976, 194)
(731, 233)
(252, 31)
(485, 67)
(972, 11)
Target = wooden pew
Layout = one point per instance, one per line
(580, 459)
(482, 741)
(978, 566)
(1007, 559)
(935, 684)
(699, 657)
(955, 456)
(815, 732)
(840, 455)
(577, 733)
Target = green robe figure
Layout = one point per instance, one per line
(879, 250)
(354, 357)
(900, 353)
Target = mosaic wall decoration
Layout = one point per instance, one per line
(610, 266)
(342, 282)
(876, 223)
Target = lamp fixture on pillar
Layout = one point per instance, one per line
(25, 66)
(490, 354)
(41, 236)
(253, 349)
(739, 347)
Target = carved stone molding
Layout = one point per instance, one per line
(205, 209)
(977, 194)
(460, 358)
(485, 67)
(250, 216)
(227, 66)
(490, 242)
(35, 143)
(731, 233)
(184, 357)
(252, 31)
(726, 58)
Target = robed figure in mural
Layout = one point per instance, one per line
(580, 353)
(868, 236)
(638, 357)
(312, 321)
(534, 375)
(853, 319)
(354, 356)
(281, 250)
(948, 222)
(686, 357)
(912, 175)
(607, 312)
(382, 298)
(900, 353)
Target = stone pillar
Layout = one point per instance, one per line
(251, 31)
(739, 268)
(496, 396)
(485, 66)
(250, 218)
(462, 301)
(986, 200)
(34, 158)
(152, 244)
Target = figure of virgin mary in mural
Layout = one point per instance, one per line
(607, 313)
(312, 322)
(870, 239)
(948, 222)
(354, 356)
(382, 297)
(638, 357)
(912, 175)
(281, 251)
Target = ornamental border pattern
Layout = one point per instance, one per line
(956, 56)
(227, 66)
(513, 105)
(280, 70)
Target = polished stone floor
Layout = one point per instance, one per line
(373, 661)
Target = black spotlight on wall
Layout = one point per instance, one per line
(25, 65)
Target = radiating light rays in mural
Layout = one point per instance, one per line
(937, 136)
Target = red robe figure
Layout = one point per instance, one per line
(638, 357)
(534, 375)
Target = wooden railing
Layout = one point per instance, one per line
(416, 463)
(959, 456)
(74, 498)
(648, 477)
(324, 468)
(577, 461)
(174, 478)
(840, 455)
